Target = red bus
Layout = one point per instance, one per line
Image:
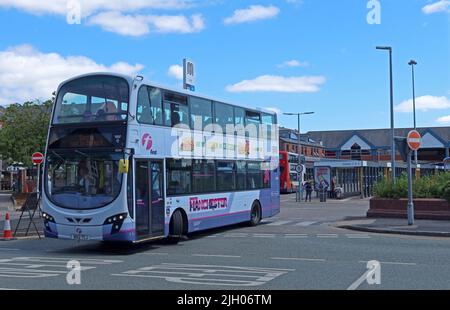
(288, 174)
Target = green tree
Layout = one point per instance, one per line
(24, 130)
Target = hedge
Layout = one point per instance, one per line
(434, 186)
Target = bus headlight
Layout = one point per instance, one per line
(48, 218)
(116, 221)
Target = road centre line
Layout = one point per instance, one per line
(151, 253)
(296, 236)
(217, 255)
(299, 259)
(327, 235)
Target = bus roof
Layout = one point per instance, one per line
(145, 81)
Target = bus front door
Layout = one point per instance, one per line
(149, 185)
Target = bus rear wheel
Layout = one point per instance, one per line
(255, 214)
(175, 228)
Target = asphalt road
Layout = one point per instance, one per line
(298, 249)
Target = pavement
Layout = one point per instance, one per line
(399, 226)
(7, 206)
(301, 248)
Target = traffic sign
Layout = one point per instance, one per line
(299, 168)
(414, 140)
(37, 158)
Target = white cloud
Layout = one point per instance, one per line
(28, 74)
(444, 120)
(293, 63)
(252, 13)
(138, 25)
(271, 83)
(116, 22)
(177, 23)
(89, 7)
(424, 104)
(120, 16)
(176, 71)
(439, 6)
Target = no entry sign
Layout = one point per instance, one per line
(37, 158)
(414, 140)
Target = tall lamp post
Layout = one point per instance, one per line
(298, 196)
(412, 63)
(388, 48)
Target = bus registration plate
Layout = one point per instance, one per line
(80, 237)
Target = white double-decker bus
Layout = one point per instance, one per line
(127, 160)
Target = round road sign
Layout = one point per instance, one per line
(299, 168)
(414, 140)
(37, 158)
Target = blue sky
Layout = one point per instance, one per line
(289, 55)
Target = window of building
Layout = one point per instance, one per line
(203, 176)
(201, 113)
(179, 176)
(225, 171)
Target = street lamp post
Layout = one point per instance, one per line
(298, 196)
(412, 63)
(388, 48)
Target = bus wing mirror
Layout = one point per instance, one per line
(123, 165)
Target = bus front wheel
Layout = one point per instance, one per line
(175, 228)
(255, 215)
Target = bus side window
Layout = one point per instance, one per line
(176, 109)
(156, 105)
(144, 114)
(167, 114)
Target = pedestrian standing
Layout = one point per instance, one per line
(308, 189)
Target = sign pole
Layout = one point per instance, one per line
(38, 176)
(410, 192)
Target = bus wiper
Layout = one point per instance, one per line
(81, 153)
(59, 156)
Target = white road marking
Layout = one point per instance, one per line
(152, 253)
(263, 235)
(9, 289)
(42, 267)
(8, 249)
(279, 223)
(300, 259)
(296, 236)
(327, 236)
(306, 223)
(236, 235)
(208, 274)
(358, 282)
(217, 255)
(393, 263)
(357, 236)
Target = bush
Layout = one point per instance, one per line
(446, 191)
(434, 186)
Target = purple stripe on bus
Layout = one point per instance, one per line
(220, 215)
